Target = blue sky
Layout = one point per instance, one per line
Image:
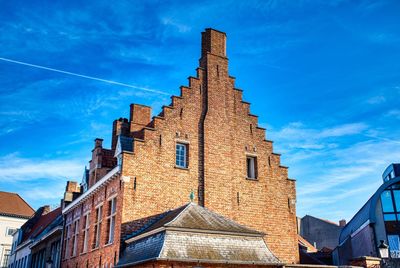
(322, 75)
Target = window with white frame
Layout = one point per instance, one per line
(10, 231)
(251, 162)
(181, 156)
(66, 240)
(97, 226)
(112, 212)
(75, 238)
(86, 226)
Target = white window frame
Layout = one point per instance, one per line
(97, 226)
(182, 163)
(86, 228)
(68, 231)
(111, 219)
(75, 237)
(251, 167)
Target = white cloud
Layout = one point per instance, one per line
(376, 100)
(394, 113)
(14, 168)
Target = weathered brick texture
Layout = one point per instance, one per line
(211, 117)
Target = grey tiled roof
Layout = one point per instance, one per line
(192, 233)
(193, 216)
(126, 143)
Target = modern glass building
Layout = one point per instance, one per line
(378, 219)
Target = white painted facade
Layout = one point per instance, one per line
(8, 225)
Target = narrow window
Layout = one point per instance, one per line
(181, 159)
(251, 167)
(66, 241)
(97, 226)
(86, 225)
(75, 238)
(112, 212)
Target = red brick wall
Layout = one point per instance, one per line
(109, 253)
(230, 133)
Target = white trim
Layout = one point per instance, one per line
(365, 224)
(92, 189)
(155, 231)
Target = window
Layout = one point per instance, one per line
(75, 238)
(66, 241)
(97, 226)
(112, 211)
(11, 231)
(390, 199)
(394, 246)
(251, 162)
(6, 256)
(86, 226)
(181, 159)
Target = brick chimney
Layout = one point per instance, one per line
(120, 127)
(342, 223)
(72, 191)
(213, 42)
(140, 116)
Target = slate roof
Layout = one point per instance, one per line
(124, 144)
(192, 233)
(11, 204)
(42, 222)
(193, 216)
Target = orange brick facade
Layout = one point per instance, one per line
(212, 119)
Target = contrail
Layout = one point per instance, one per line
(85, 76)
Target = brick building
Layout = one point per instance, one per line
(206, 144)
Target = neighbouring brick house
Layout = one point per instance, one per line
(206, 144)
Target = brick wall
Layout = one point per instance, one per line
(105, 254)
(212, 118)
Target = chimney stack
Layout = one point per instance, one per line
(120, 127)
(140, 116)
(213, 42)
(342, 223)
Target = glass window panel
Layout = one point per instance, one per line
(389, 217)
(394, 246)
(396, 194)
(387, 204)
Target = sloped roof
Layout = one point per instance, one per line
(303, 242)
(11, 204)
(195, 217)
(40, 225)
(192, 233)
(124, 144)
(367, 212)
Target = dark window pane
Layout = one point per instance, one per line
(387, 204)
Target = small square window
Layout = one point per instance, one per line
(181, 156)
(251, 162)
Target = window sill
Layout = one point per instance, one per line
(251, 179)
(94, 249)
(83, 253)
(183, 168)
(108, 244)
